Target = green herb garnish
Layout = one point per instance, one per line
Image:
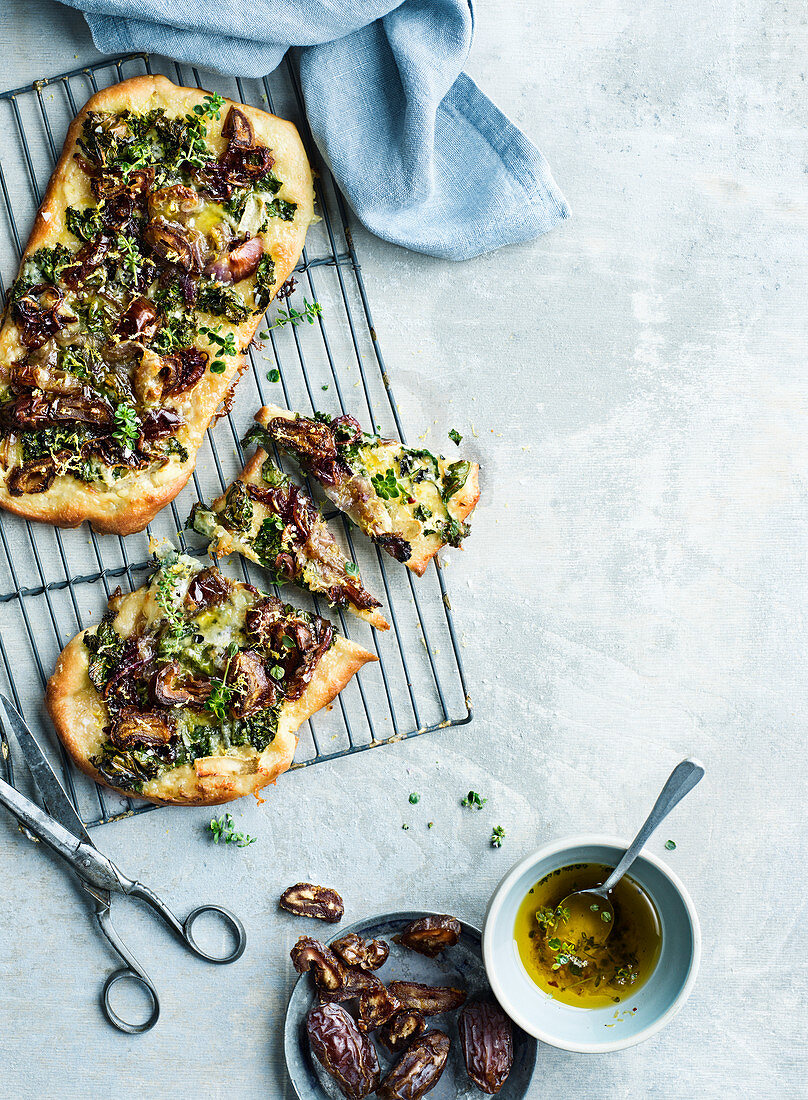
(455, 436)
(223, 830)
(497, 835)
(474, 800)
(126, 425)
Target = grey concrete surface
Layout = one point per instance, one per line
(634, 590)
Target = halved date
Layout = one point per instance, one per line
(310, 954)
(429, 1000)
(366, 954)
(418, 1070)
(354, 983)
(486, 1038)
(430, 935)
(402, 1029)
(346, 1055)
(307, 900)
(376, 1006)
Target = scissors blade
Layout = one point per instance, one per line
(63, 842)
(58, 804)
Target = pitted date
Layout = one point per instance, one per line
(310, 954)
(366, 954)
(430, 935)
(405, 1026)
(486, 1038)
(307, 900)
(354, 983)
(418, 1070)
(346, 1055)
(429, 1000)
(376, 1006)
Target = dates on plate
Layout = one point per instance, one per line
(405, 1026)
(310, 954)
(307, 900)
(366, 954)
(430, 935)
(486, 1037)
(346, 1055)
(429, 1000)
(418, 1070)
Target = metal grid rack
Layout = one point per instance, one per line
(54, 583)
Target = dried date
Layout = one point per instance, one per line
(486, 1038)
(429, 1000)
(354, 983)
(402, 1029)
(310, 954)
(307, 900)
(418, 1070)
(346, 1055)
(366, 954)
(430, 935)
(376, 1006)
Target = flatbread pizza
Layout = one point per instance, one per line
(171, 221)
(409, 501)
(191, 689)
(265, 517)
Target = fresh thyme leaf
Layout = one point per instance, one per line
(273, 376)
(218, 701)
(223, 831)
(497, 835)
(351, 568)
(670, 845)
(474, 800)
(310, 312)
(415, 798)
(126, 425)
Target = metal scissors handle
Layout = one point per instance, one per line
(64, 832)
(133, 971)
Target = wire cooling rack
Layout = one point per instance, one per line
(55, 583)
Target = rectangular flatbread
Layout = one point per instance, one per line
(171, 221)
(409, 501)
(192, 688)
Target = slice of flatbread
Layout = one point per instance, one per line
(409, 501)
(191, 689)
(171, 221)
(265, 517)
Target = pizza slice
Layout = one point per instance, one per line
(191, 689)
(270, 520)
(409, 501)
(170, 222)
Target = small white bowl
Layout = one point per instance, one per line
(593, 1030)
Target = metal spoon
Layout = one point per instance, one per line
(590, 912)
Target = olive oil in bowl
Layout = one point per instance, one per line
(586, 973)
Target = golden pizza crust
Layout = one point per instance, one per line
(226, 542)
(79, 715)
(133, 501)
(424, 548)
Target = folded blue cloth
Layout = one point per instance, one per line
(424, 158)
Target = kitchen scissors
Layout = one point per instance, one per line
(63, 831)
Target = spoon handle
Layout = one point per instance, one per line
(681, 781)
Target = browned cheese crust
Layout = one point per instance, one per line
(424, 547)
(80, 715)
(131, 503)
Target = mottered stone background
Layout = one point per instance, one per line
(634, 386)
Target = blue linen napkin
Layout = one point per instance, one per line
(424, 158)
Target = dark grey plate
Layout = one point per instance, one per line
(460, 966)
